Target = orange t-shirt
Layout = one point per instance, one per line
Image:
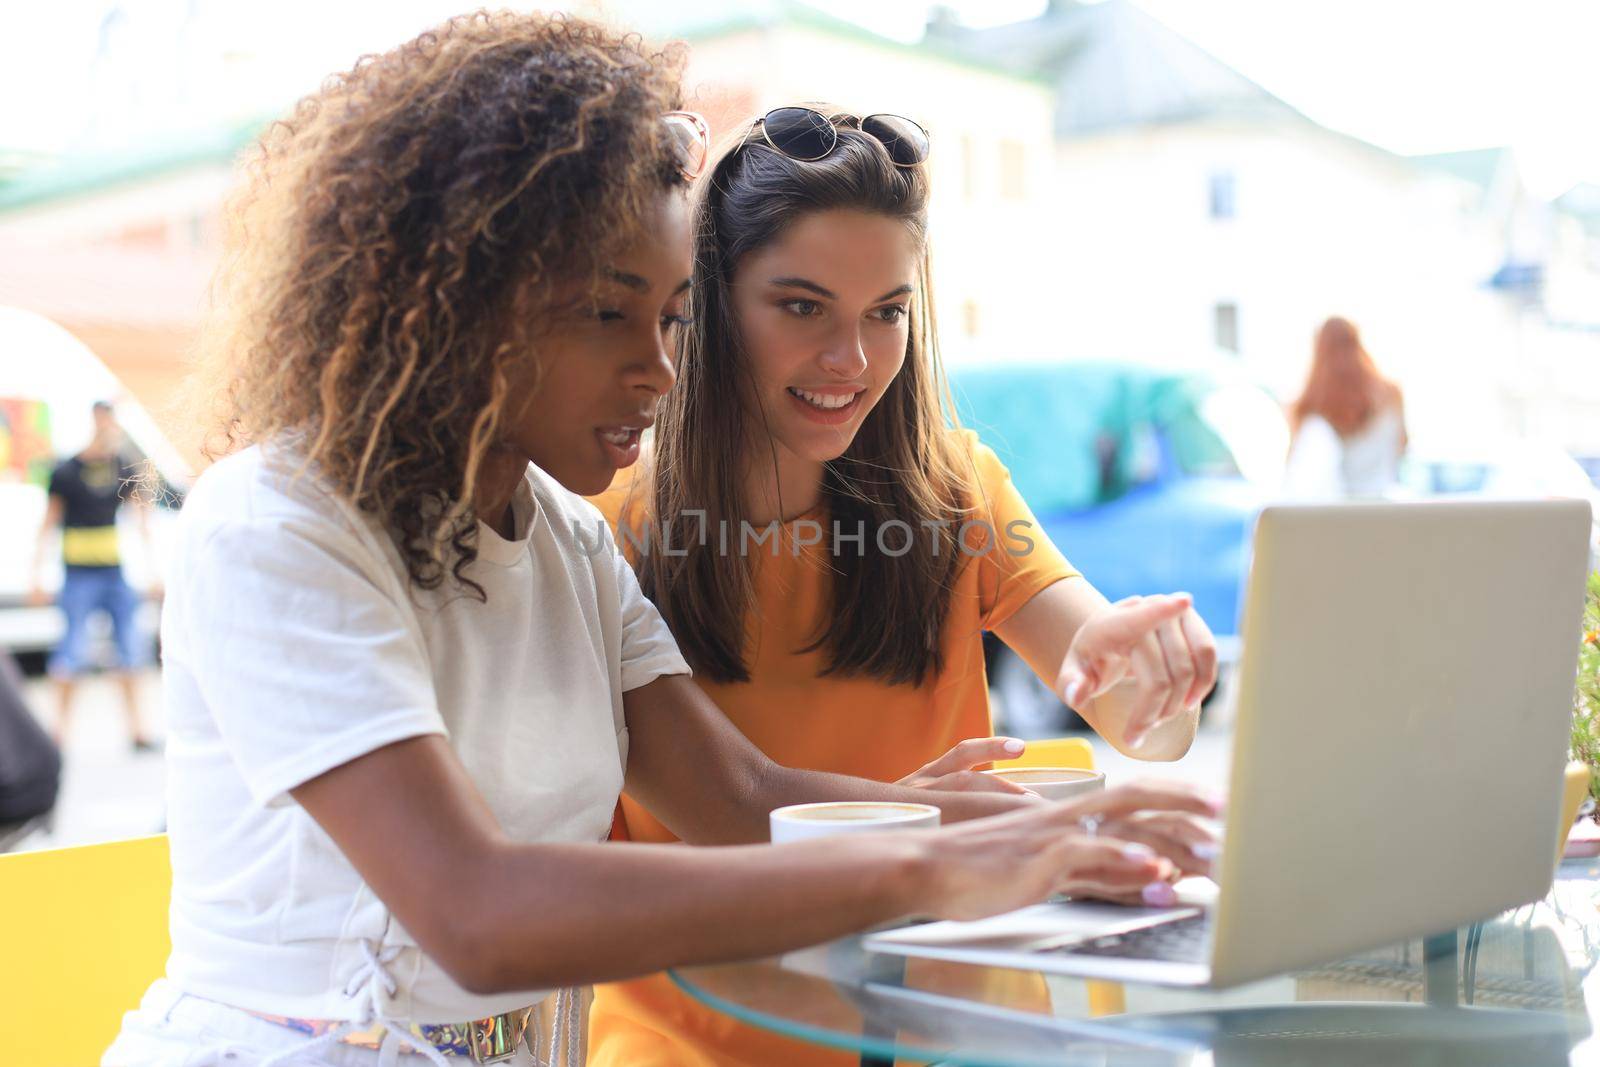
(856, 726)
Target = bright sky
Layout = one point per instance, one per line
(1410, 75)
(1424, 75)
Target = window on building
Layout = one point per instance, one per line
(969, 318)
(1226, 316)
(1224, 195)
(1013, 185)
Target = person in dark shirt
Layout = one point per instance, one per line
(86, 493)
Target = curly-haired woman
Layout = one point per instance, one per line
(407, 672)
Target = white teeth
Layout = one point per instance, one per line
(618, 437)
(824, 401)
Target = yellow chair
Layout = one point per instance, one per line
(84, 933)
(1575, 788)
(1105, 998)
(1054, 752)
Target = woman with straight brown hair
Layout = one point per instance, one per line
(1348, 423)
(828, 550)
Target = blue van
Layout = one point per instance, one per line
(1148, 477)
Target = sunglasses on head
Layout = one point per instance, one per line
(806, 134)
(690, 139)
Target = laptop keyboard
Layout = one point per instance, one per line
(1179, 941)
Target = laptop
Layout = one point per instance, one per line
(1404, 701)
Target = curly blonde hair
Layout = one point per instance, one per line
(396, 246)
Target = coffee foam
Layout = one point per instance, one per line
(1027, 775)
(854, 812)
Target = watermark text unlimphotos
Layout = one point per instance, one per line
(894, 538)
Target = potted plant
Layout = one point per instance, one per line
(1586, 697)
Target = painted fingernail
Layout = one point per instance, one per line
(1014, 747)
(1072, 691)
(1218, 802)
(1159, 895)
(1138, 852)
(1206, 852)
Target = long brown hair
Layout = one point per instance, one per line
(1344, 385)
(393, 249)
(887, 612)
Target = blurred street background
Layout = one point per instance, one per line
(1144, 210)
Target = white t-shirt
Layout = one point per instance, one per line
(293, 643)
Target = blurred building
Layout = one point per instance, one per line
(993, 167)
(119, 249)
(1193, 208)
(1102, 188)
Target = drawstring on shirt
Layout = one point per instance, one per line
(372, 975)
(364, 983)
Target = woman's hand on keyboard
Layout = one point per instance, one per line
(987, 866)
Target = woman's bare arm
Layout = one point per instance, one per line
(709, 784)
(499, 914)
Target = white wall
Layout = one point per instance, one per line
(990, 249)
(1111, 250)
(1325, 225)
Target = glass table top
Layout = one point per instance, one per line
(1520, 988)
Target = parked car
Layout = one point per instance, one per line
(1493, 466)
(1148, 477)
(49, 381)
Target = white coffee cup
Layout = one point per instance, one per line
(1053, 783)
(801, 822)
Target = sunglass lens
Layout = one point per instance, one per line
(906, 141)
(800, 133)
(688, 143)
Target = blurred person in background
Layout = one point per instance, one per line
(1348, 424)
(86, 492)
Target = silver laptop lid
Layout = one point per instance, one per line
(1404, 699)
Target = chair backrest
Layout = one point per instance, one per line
(1576, 787)
(84, 933)
(1054, 752)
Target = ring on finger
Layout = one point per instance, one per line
(1090, 825)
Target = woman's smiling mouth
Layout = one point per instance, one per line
(830, 406)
